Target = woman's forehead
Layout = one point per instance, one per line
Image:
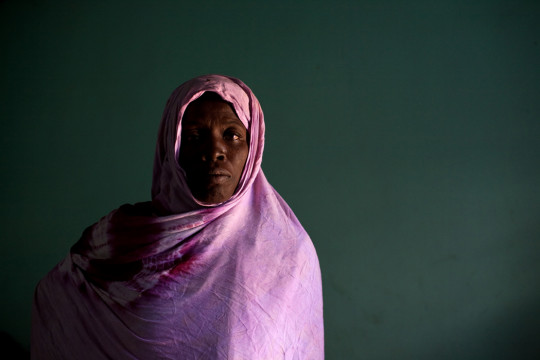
(237, 100)
(204, 111)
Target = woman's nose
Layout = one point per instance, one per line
(215, 150)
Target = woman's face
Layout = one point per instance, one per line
(213, 150)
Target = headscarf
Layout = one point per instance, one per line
(170, 192)
(178, 279)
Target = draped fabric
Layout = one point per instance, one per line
(175, 278)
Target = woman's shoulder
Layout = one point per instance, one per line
(137, 209)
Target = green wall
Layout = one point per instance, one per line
(405, 135)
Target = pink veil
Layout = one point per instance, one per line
(236, 280)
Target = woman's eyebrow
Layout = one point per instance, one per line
(234, 120)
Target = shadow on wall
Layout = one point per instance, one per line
(515, 334)
(10, 346)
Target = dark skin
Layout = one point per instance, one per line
(214, 148)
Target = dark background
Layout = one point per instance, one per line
(404, 135)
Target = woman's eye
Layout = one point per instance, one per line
(192, 137)
(232, 135)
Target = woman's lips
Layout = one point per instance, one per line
(217, 176)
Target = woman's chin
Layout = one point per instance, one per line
(212, 196)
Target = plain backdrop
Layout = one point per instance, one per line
(405, 135)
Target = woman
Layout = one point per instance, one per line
(216, 266)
